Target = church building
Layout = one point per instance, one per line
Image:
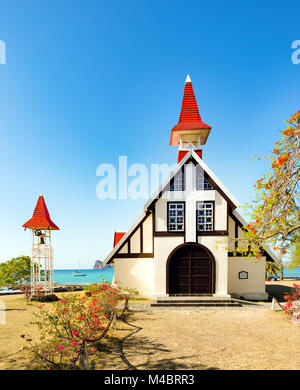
(184, 240)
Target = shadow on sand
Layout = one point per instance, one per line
(278, 291)
(138, 352)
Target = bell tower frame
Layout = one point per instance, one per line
(42, 260)
(41, 265)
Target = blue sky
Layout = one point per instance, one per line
(87, 81)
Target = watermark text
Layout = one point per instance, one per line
(2, 53)
(137, 181)
(296, 54)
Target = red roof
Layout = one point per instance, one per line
(40, 218)
(117, 237)
(182, 153)
(190, 118)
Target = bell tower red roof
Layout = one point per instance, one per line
(189, 118)
(41, 217)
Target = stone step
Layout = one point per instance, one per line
(195, 304)
(191, 295)
(190, 298)
(193, 301)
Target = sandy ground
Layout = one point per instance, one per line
(249, 337)
(246, 338)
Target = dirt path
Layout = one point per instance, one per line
(248, 339)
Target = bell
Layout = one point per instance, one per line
(41, 240)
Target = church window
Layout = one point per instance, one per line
(175, 217)
(205, 216)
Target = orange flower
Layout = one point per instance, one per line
(268, 185)
(289, 131)
(283, 158)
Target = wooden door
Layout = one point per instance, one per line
(191, 271)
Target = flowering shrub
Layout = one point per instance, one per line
(291, 308)
(73, 325)
(105, 295)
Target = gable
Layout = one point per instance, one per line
(137, 242)
(191, 156)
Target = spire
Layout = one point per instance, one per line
(41, 217)
(189, 118)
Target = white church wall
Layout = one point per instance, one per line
(135, 242)
(147, 235)
(124, 249)
(254, 286)
(161, 214)
(220, 212)
(135, 273)
(243, 244)
(231, 234)
(218, 247)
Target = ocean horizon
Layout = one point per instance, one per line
(65, 276)
(291, 273)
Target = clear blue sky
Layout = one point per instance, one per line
(87, 81)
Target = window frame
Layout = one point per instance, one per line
(168, 216)
(203, 232)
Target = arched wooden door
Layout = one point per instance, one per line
(191, 270)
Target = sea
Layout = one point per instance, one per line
(65, 276)
(291, 273)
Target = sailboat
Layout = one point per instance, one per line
(78, 273)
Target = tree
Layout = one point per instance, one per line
(275, 212)
(271, 268)
(294, 252)
(15, 271)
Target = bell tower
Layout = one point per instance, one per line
(42, 253)
(190, 132)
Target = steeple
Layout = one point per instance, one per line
(190, 132)
(41, 217)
